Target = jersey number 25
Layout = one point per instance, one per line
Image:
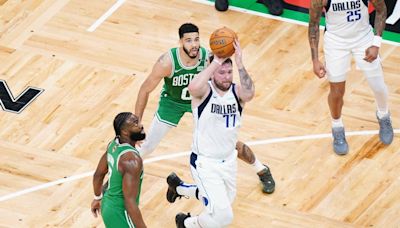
(353, 15)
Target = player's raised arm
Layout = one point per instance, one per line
(131, 166)
(246, 89)
(162, 68)
(199, 87)
(316, 8)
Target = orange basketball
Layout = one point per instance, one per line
(221, 42)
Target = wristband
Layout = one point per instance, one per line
(98, 197)
(377, 41)
(219, 63)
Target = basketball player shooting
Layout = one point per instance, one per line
(217, 106)
(177, 68)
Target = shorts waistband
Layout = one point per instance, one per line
(194, 157)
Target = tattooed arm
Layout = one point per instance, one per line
(313, 36)
(161, 69)
(246, 89)
(380, 21)
(380, 17)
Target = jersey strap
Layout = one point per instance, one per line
(204, 104)
(328, 5)
(237, 98)
(365, 2)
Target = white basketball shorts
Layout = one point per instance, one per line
(338, 56)
(216, 180)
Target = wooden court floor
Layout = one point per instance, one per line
(89, 77)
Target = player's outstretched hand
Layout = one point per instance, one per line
(319, 69)
(371, 54)
(238, 54)
(95, 207)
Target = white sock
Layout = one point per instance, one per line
(189, 190)
(258, 166)
(192, 222)
(337, 123)
(382, 114)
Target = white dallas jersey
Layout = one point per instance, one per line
(347, 19)
(217, 120)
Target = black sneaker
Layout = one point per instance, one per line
(180, 219)
(267, 180)
(221, 5)
(275, 7)
(173, 181)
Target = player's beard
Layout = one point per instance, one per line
(188, 53)
(221, 86)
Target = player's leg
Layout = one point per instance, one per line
(374, 75)
(337, 65)
(214, 195)
(263, 171)
(168, 115)
(177, 188)
(155, 134)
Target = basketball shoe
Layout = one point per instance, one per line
(275, 7)
(340, 145)
(180, 219)
(267, 180)
(173, 181)
(221, 5)
(385, 129)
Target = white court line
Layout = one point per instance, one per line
(185, 153)
(105, 15)
(238, 9)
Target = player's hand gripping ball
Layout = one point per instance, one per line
(221, 42)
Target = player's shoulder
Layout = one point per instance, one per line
(165, 58)
(130, 157)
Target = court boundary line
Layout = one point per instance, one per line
(185, 153)
(279, 18)
(104, 17)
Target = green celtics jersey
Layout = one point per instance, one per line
(114, 191)
(175, 85)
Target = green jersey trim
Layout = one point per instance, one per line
(129, 220)
(188, 67)
(164, 121)
(122, 153)
(172, 63)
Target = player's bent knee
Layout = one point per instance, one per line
(223, 217)
(337, 92)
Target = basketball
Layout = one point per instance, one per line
(221, 42)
